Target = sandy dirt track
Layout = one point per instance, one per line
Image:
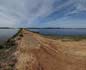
(35, 52)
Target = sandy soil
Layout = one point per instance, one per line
(35, 52)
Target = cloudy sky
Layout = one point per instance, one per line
(43, 13)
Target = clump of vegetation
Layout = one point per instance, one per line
(1, 46)
(75, 37)
(10, 43)
(68, 37)
(21, 35)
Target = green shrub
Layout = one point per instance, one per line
(1, 46)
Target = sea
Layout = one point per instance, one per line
(5, 34)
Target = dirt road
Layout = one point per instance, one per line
(35, 52)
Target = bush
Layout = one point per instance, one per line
(1, 46)
(21, 35)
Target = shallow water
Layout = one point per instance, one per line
(5, 34)
(61, 31)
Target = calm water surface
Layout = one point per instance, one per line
(5, 34)
(61, 31)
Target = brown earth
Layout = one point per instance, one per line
(35, 52)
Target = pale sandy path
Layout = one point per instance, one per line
(35, 52)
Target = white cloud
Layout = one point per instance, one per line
(81, 5)
(14, 12)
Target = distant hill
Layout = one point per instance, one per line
(5, 27)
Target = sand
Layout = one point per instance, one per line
(36, 52)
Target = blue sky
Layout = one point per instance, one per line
(43, 13)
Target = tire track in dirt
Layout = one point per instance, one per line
(36, 52)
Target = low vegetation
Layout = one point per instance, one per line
(68, 37)
(1, 46)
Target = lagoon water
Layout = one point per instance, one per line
(61, 31)
(5, 34)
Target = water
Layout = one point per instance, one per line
(61, 31)
(5, 34)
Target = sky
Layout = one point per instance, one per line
(43, 13)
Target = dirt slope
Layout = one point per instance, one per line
(35, 52)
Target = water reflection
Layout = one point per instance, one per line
(5, 34)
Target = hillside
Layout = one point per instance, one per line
(32, 51)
